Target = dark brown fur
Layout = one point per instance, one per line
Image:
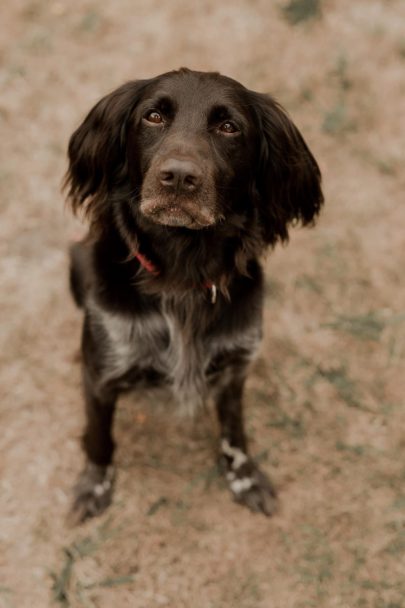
(199, 175)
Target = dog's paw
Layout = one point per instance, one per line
(92, 493)
(248, 484)
(252, 488)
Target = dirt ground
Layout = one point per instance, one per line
(325, 402)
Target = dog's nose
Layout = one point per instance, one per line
(180, 175)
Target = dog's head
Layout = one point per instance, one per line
(193, 150)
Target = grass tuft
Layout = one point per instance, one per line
(61, 581)
(345, 387)
(336, 119)
(365, 327)
(357, 450)
(90, 22)
(297, 11)
(110, 582)
(309, 283)
(158, 504)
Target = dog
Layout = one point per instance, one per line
(186, 179)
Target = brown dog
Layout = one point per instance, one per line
(186, 179)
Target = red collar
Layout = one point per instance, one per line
(152, 269)
(147, 264)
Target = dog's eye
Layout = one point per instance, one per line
(228, 127)
(154, 116)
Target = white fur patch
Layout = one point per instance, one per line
(102, 488)
(159, 340)
(238, 457)
(130, 341)
(241, 485)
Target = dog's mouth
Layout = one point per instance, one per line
(177, 212)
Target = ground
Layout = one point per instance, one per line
(325, 401)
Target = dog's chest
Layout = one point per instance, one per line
(160, 341)
(142, 341)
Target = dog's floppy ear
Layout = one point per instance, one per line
(97, 148)
(288, 180)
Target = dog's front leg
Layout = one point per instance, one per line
(248, 484)
(93, 490)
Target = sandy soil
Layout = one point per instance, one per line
(325, 403)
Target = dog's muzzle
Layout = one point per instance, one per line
(177, 197)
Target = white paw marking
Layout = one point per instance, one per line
(241, 485)
(98, 490)
(102, 488)
(238, 457)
